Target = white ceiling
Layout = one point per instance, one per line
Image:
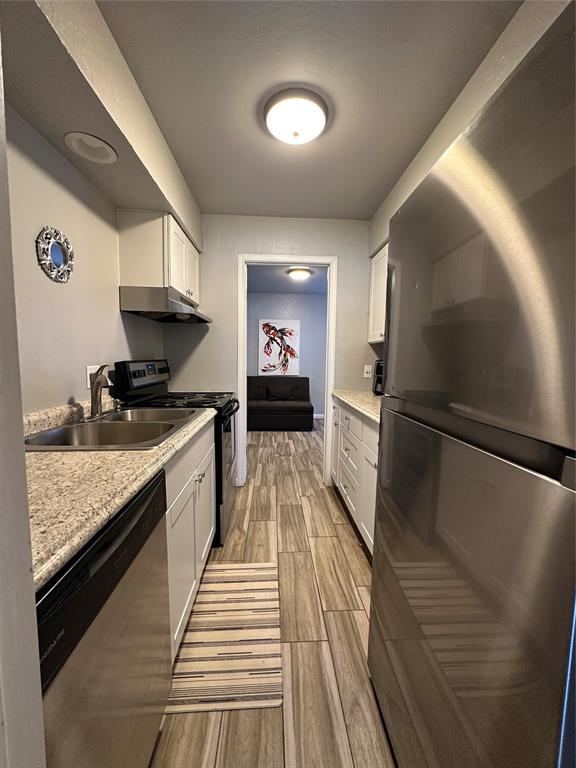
(389, 71)
(264, 278)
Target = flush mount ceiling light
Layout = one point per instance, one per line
(296, 115)
(299, 273)
(91, 147)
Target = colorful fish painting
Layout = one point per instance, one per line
(278, 353)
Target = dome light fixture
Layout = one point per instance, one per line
(90, 147)
(296, 115)
(299, 273)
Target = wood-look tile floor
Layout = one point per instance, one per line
(329, 718)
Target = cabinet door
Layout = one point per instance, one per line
(368, 501)
(182, 579)
(377, 309)
(192, 273)
(205, 510)
(177, 272)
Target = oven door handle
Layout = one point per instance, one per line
(235, 408)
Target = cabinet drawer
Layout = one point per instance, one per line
(350, 453)
(181, 466)
(350, 489)
(352, 421)
(370, 431)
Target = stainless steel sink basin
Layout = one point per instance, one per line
(102, 436)
(149, 414)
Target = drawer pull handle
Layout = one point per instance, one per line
(346, 450)
(201, 477)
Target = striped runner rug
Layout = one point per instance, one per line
(230, 656)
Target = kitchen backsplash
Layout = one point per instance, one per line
(62, 414)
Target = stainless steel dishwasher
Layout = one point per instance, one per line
(104, 636)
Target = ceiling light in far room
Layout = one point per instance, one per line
(90, 147)
(296, 115)
(299, 273)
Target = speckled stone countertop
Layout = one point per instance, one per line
(72, 494)
(365, 403)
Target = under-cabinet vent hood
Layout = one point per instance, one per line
(165, 305)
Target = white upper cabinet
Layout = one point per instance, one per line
(192, 272)
(459, 276)
(156, 252)
(377, 309)
(177, 257)
(183, 262)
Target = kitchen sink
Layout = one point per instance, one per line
(149, 414)
(103, 436)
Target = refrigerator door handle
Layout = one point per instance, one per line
(568, 478)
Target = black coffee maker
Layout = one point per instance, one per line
(378, 377)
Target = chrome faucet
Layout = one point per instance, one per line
(97, 382)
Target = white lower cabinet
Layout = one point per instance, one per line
(369, 478)
(354, 464)
(190, 524)
(204, 511)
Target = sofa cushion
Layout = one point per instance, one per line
(259, 386)
(281, 390)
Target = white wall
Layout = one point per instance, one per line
(206, 357)
(21, 728)
(531, 21)
(310, 309)
(63, 328)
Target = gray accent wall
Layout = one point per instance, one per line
(310, 309)
(206, 357)
(63, 328)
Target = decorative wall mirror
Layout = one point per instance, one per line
(55, 254)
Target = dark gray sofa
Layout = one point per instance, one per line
(279, 402)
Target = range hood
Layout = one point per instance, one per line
(165, 305)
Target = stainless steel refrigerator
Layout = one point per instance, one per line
(473, 570)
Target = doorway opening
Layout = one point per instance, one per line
(286, 350)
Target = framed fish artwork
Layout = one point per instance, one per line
(279, 347)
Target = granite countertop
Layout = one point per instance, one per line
(364, 402)
(72, 494)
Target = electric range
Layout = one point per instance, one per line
(144, 384)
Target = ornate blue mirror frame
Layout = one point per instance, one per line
(55, 254)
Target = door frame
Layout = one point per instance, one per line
(252, 259)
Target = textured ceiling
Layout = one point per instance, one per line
(263, 278)
(389, 71)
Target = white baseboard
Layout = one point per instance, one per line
(318, 415)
